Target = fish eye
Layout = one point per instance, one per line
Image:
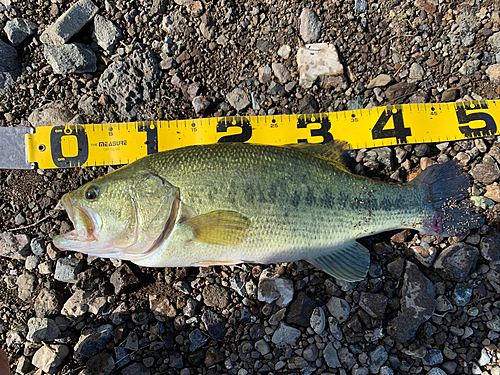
(92, 193)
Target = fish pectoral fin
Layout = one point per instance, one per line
(349, 262)
(225, 228)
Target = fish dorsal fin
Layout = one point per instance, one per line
(349, 262)
(333, 151)
(225, 228)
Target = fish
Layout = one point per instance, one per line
(233, 203)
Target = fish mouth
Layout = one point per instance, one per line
(85, 220)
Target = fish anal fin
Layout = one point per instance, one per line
(349, 262)
(333, 151)
(225, 228)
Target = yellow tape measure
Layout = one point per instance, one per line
(122, 143)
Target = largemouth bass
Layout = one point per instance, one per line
(226, 204)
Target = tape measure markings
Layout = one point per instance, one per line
(106, 144)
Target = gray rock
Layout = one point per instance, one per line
(42, 329)
(24, 365)
(200, 104)
(26, 285)
(263, 45)
(123, 278)
(53, 113)
(462, 295)
(494, 323)
(207, 27)
(285, 335)
(437, 371)
(19, 219)
(457, 261)
(70, 58)
(281, 72)
(331, 357)
(136, 368)
(10, 67)
(264, 74)
(386, 370)
(421, 150)
(175, 360)
(416, 71)
(238, 99)
(48, 303)
(49, 358)
(275, 88)
(162, 308)
(469, 67)
(360, 6)
(174, 23)
(494, 42)
(197, 340)
(131, 342)
(16, 336)
(381, 80)
(68, 268)
(377, 358)
(15, 246)
(300, 310)
(310, 353)
(487, 171)
(262, 347)
(101, 364)
(215, 296)
(32, 262)
(215, 324)
(443, 304)
(131, 81)
(106, 33)
(467, 26)
(318, 320)
(19, 29)
(310, 26)
(346, 358)
(490, 248)
(69, 23)
(273, 288)
(339, 309)
(433, 357)
(92, 341)
(417, 304)
(77, 304)
(37, 246)
(385, 156)
(450, 95)
(373, 304)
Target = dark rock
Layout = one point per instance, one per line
(450, 95)
(417, 304)
(308, 104)
(136, 368)
(457, 261)
(373, 304)
(300, 310)
(122, 278)
(101, 364)
(92, 341)
(197, 339)
(10, 67)
(487, 171)
(400, 91)
(214, 324)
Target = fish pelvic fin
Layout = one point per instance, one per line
(445, 187)
(349, 262)
(334, 151)
(225, 228)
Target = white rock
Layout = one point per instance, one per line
(318, 59)
(274, 288)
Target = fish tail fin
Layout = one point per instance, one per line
(445, 187)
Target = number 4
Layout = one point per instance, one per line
(399, 131)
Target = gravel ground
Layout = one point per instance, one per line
(428, 305)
